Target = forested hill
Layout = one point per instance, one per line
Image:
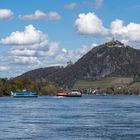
(111, 58)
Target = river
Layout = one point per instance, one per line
(78, 118)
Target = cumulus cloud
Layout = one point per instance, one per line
(71, 6)
(6, 14)
(31, 36)
(90, 24)
(98, 4)
(26, 44)
(130, 32)
(39, 15)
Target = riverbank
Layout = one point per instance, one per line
(109, 85)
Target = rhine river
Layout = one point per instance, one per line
(78, 118)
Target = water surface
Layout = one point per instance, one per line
(85, 118)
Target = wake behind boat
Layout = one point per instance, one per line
(24, 94)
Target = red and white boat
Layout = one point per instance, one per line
(72, 93)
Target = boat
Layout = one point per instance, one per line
(24, 94)
(62, 94)
(74, 93)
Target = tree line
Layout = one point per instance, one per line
(42, 87)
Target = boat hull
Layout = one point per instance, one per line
(69, 94)
(24, 94)
(62, 94)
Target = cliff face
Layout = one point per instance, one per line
(111, 58)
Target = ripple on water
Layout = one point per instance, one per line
(85, 118)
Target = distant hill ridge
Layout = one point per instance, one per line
(109, 59)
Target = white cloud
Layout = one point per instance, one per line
(90, 24)
(31, 36)
(25, 45)
(23, 52)
(26, 60)
(3, 68)
(98, 4)
(71, 6)
(6, 14)
(129, 33)
(39, 15)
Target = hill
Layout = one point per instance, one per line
(110, 59)
(39, 74)
(104, 83)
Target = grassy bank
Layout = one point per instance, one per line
(112, 85)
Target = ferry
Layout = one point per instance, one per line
(62, 94)
(24, 94)
(72, 93)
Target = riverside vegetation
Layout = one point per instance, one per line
(110, 85)
(42, 87)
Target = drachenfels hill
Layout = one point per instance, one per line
(110, 59)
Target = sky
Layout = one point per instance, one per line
(42, 33)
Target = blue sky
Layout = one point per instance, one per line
(42, 33)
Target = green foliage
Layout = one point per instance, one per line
(43, 88)
(49, 89)
(137, 79)
(104, 82)
(110, 90)
(112, 85)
